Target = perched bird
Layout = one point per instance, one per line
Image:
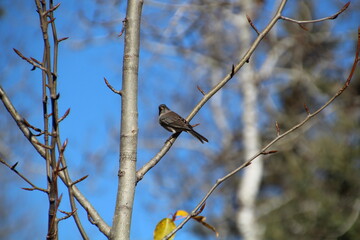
(173, 122)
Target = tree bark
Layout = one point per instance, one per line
(129, 124)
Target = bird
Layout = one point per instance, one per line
(174, 123)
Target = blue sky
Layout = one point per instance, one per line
(94, 112)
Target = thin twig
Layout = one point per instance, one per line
(67, 214)
(32, 62)
(277, 128)
(112, 88)
(252, 24)
(64, 116)
(13, 168)
(51, 9)
(202, 91)
(232, 71)
(79, 180)
(123, 27)
(31, 126)
(63, 39)
(317, 20)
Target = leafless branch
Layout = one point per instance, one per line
(123, 27)
(67, 214)
(263, 150)
(63, 39)
(13, 168)
(202, 91)
(64, 116)
(19, 121)
(317, 20)
(306, 108)
(252, 24)
(232, 71)
(31, 126)
(112, 88)
(32, 61)
(79, 180)
(277, 128)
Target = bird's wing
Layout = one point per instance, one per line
(175, 121)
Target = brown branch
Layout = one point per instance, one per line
(51, 9)
(317, 20)
(31, 126)
(123, 27)
(19, 121)
(64, 116)
(202, 91)
(79, 180)
(232, 71)
(306, 109)
(62, 39)
(44, 146)
(112, 88)
(277, 128)
(13, 168)
(32, 62)
(269, 152)
(67, 214)
(263, 150)
(252, 24)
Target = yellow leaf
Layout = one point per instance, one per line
(181, 213)
(164, 227)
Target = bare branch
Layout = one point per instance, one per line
(62, 39)
(277, 128)
(269, 152)
(67, 214)
(31, 126)
(202, 91)
(79, 180)
(32, 62)
(64, 116)
(252, 25)
(12, 168)
(112, 88)
(317, 20)
(306, 109)
(123, 27)
(19, 121)
(232, 71)
(51, 9)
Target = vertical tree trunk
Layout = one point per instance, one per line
(129, 124)
(251, 179)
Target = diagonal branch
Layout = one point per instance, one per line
(34, 187)
(317, 20)
(19, 121)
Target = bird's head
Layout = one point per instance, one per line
(163, 108)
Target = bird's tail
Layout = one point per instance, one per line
(198, 136)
